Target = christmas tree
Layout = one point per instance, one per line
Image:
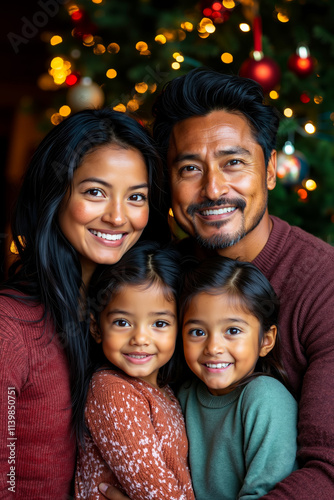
(120, 54)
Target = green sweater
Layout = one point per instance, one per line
(240, 444)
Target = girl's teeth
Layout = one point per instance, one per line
(217, 365)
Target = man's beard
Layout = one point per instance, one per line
(221, 241)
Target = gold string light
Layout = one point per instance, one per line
(119, 107)
(56, 40)
(161, 39)
(111, 73)
(273, 94)
(65, 111)
(187, 26)
(99, 49)
(244, 27)
(309, 128)
(227, 58)
(310, 184)
(113, 48)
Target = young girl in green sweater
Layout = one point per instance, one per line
(241, 421)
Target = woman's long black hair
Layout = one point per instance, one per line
(48, 269)
(245, 282)
(148, 263)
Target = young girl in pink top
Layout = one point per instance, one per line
(135, 435)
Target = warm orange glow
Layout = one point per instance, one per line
(111, 73)
(120, 107)
(55, 40)
(113, 48)
(65, 110)
(302, 193)
(226, 57)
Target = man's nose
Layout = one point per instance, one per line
(214, 184)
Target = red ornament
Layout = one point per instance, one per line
(265, 71)
(72, 79)
(77, 15)
(260, 68)
(305, 98)
(215, 10)
(82, 24)
(301, 63)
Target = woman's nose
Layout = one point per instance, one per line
(114, 213)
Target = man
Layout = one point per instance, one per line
(219, 141)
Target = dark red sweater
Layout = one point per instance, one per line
(301, 269)
(37, 452)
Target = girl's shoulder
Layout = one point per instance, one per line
(108, 379)
(266, 383)
(105, 377)
(267, 393)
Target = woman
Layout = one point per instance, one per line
(84, 202)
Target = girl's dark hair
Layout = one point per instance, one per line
(245, 282)
(48, 269)
(146, 264)
(202, 91)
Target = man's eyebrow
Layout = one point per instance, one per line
(238, 150)
(218, 154)
(185, 156)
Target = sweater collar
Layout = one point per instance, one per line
(207, 399)
(277, 239)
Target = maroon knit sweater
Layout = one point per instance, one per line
(37, 452)
(301, 269)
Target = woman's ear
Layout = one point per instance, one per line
(95, 330)
(268, 341)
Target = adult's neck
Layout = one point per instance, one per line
(87, 270)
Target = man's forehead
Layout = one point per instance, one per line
(219, 131)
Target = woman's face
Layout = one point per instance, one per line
(106, 210)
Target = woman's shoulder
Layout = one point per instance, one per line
(19, 316)
(18, 305)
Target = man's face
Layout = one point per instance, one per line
(218, 179)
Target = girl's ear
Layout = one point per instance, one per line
(95, 330)
(268, 341)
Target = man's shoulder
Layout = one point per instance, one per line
(291, 248)
(299, 236)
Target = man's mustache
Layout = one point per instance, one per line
(231, 202)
